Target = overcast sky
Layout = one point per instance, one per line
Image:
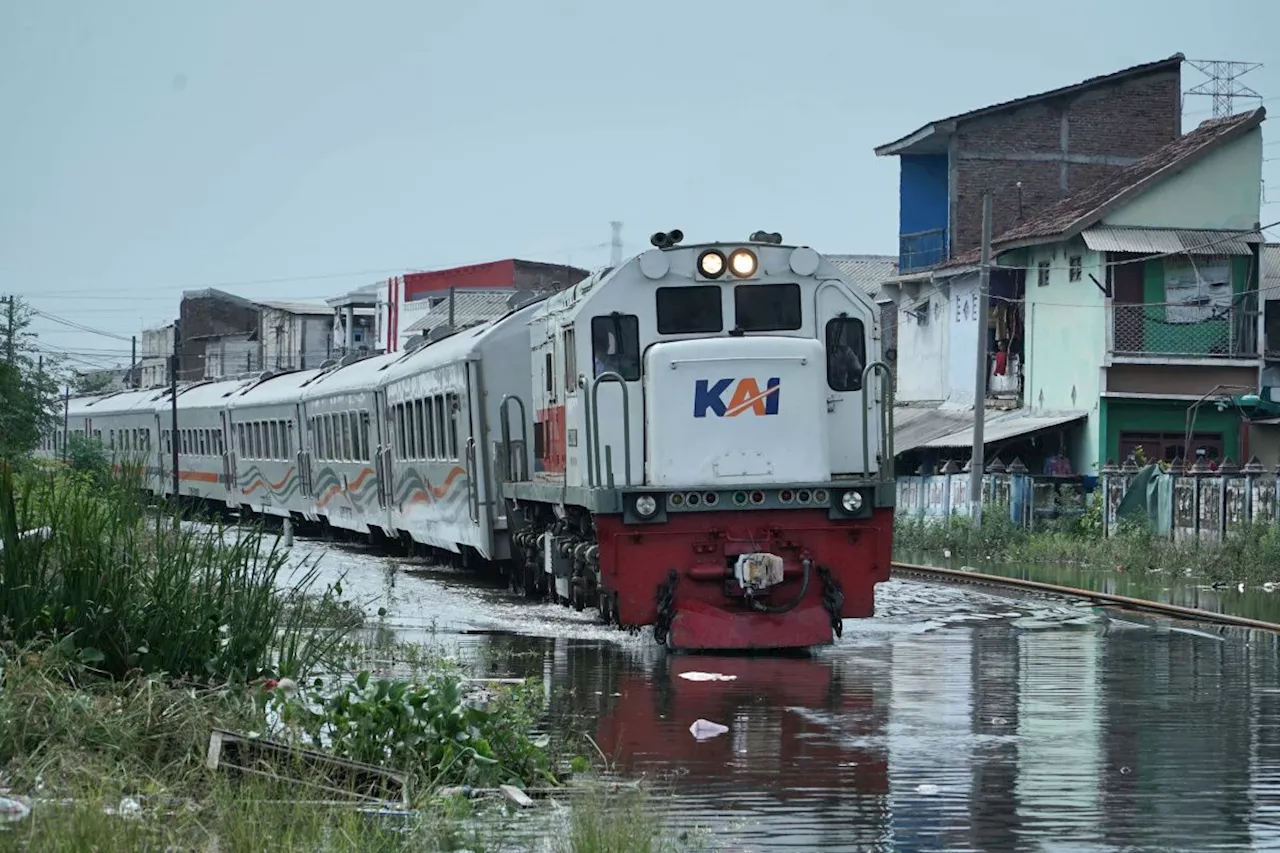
(153, 147)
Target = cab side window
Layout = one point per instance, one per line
(846, 353)
(615, 345)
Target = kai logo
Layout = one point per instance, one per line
(746, 397)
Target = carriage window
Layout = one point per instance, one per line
(767, 307)
(441, 416)
(434, 441)
(346, 436)
(846, 354)
(689, 310)
(570, 362)
(364, 437)
(615, 345)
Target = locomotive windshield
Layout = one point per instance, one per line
(767, 307)
(689, 310)
(846, 353)
(615, 345)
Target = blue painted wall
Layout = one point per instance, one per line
(922, 206)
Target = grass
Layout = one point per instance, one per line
(129, 592)
(1248, 555)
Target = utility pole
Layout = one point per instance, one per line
(173, 419)
(615, 245)
(977, 464)
(66, 420)
(133, 364)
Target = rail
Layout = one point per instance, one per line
(886, 420)
(593, 474)
(511, 473)
(980, 579)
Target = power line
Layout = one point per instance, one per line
(80, 326)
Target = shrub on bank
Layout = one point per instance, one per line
(129, 591)
(1249, 554)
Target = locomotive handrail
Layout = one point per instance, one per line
(506, 436)
(473, 492)
(610, 376)
(886, 419)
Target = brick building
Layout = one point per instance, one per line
(207, 321)
(1028, 154)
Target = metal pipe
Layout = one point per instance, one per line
(506, 435)
(886, 440)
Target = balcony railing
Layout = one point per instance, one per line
(922, 250)
(1183, 330)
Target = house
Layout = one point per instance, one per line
(1027, 154)
(1142, 309)
(355, 319)
(407, 299)
(295, 335)
(153, 364)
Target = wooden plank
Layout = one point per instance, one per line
(270, 759)
(515, 795)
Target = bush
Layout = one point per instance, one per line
(128, 592)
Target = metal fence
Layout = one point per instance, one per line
(1163, 329)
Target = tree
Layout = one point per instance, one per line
(28, 391)
(91, 382)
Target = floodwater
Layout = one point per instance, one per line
(953, 720)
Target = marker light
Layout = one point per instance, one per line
(851, 501)
(711, 264)
(646, 506)
(743, 263)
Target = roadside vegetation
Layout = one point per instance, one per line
(126, 639)
(1249, 556)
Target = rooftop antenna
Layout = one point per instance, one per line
(1224, 84)
(615, 246)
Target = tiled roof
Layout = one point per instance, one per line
(1088, 206)
(942, 125)
(468, 307)
(866, 271)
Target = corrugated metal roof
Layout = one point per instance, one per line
(1271, 271)
(866, 271)
(1088, 206)
(1169, 241)
(998, 426)
(915, 426)
(309, 308)
(468, 307)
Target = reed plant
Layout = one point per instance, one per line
(129, 591)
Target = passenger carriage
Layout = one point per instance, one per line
(265, 424)
(203, 441)
(126, 424)
(343, 432)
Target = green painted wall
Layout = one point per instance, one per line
(1178, 338)
(1159, 416)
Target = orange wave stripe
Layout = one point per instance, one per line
(443, 488)
(259, 483)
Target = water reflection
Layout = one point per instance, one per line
(986, 737)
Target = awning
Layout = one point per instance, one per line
(914, 426)
(1156, 241)
(998, 426)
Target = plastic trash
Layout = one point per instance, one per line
(707, 676)
(12, 811)
(704, 729)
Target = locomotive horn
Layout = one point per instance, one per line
(676, 236)
(660, 240)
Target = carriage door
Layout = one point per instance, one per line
(228, 456)
(844, 328)
(302, 458)
(382, 452)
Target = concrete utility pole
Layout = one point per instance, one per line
(133, 364)
(615, 245)
(173, 419)
(977, 463)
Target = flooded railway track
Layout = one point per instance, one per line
(1001, 583)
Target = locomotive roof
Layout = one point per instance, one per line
(209, 395)
(282, 388)
(460, 345)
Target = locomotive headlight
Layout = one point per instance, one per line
(646, 506)
(711, 264)
(851, 501)
(743, 263)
